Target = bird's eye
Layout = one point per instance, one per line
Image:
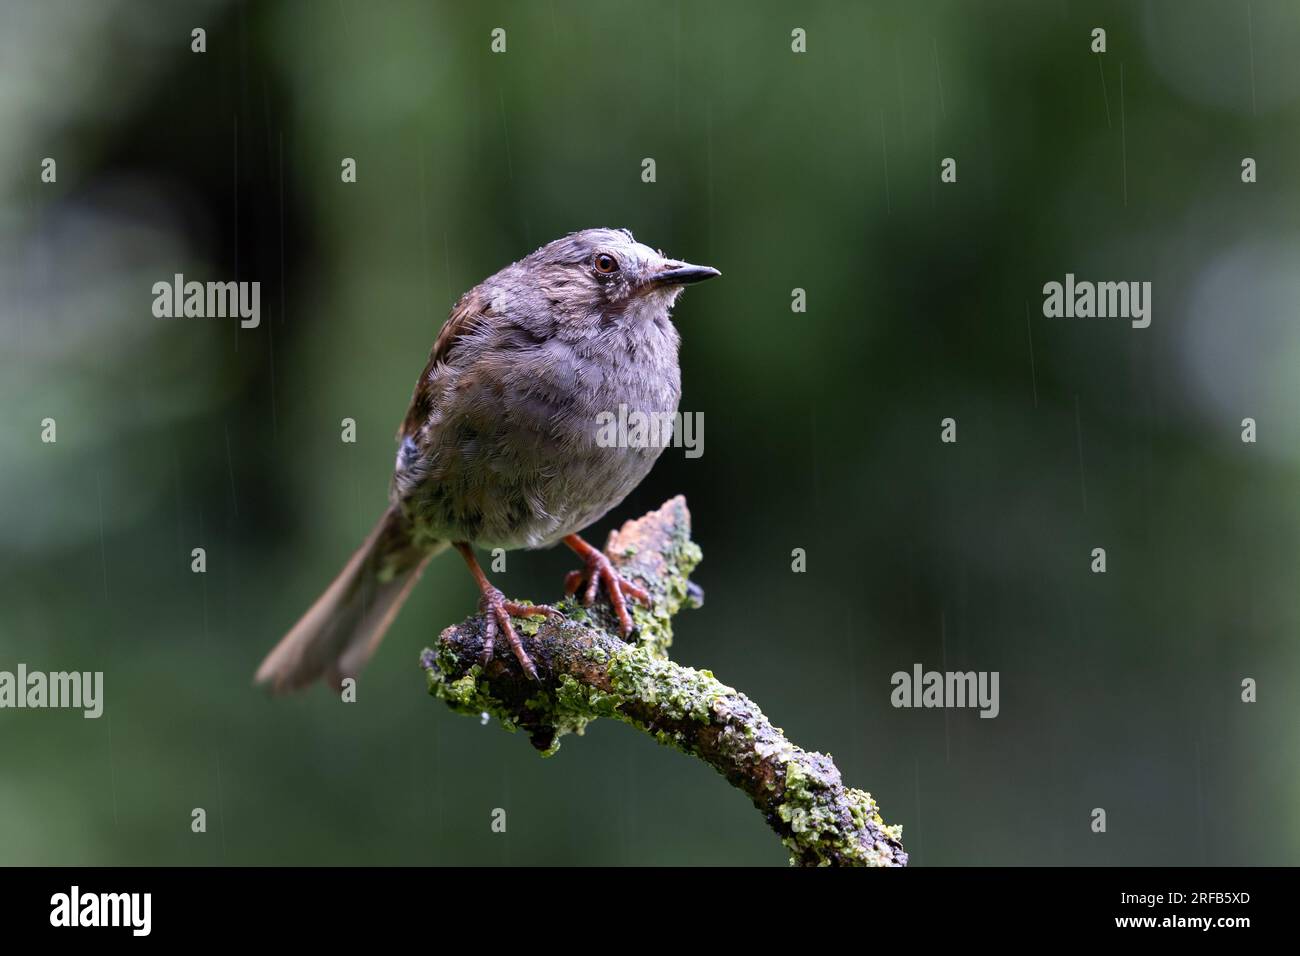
(605, 264)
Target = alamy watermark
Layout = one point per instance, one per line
(1100, 300)
(209, 300)
(75, 908)
(957, 689)
(75, 690)
(632, 428)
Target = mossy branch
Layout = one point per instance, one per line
(587, 671)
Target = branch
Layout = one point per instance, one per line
(587, 672)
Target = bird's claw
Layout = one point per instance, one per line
(599, 570)
(497, 612)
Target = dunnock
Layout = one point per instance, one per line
(499, 447)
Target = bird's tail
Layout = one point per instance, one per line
(337, 635)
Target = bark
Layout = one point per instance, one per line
(587, 671)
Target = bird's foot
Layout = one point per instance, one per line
(599, 570)
(497, 612)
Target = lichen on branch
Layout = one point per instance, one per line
(586, 672)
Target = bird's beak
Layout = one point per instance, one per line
(682, 273)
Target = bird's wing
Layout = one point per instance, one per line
(467, 314)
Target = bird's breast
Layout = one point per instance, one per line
(540, 441)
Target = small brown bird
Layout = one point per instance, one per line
(500, 447)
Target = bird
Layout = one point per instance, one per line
(501, 444)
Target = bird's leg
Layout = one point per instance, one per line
(599, 571)
(497, 611)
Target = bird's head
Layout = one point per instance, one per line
(607, 270)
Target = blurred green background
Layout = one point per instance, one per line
(818, 171)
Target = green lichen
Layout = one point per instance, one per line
(813, 806)
(573, 706)
(635, 675)
(825, 823)
(529, 626)
(654, 629)
(678, 692)
(469, 694)
(575, 612)
(820, 821)
(686, 556)
(596, 654)
(582, 703)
